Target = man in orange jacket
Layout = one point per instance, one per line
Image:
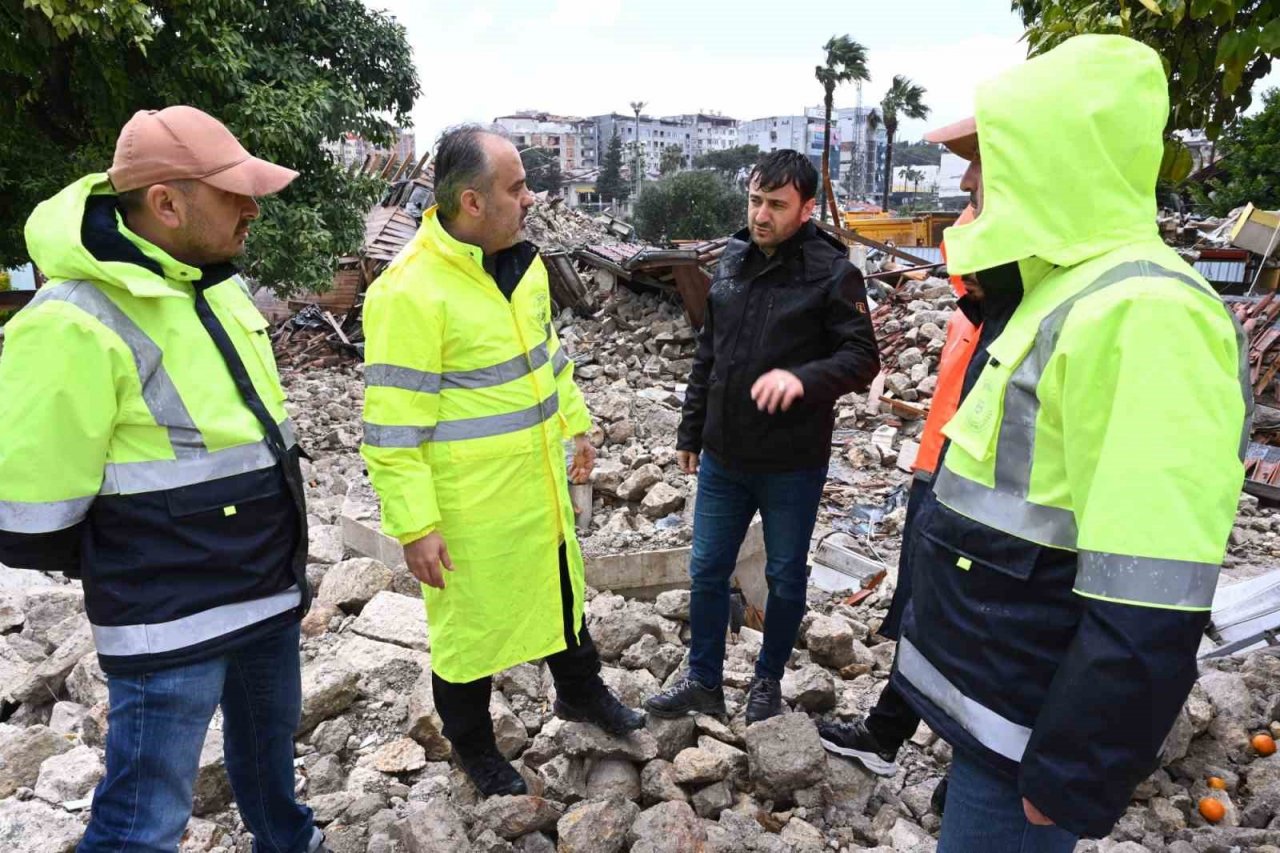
(875, 740)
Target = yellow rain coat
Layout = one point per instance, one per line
(469, 399)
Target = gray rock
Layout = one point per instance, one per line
(331, 806)
(564, 779)
(785, 754)
(632, 687)
(830, 642)
(1263, 805)
(600, 826)
(587, 740)
(512, 817)
(696, 766)
(668, 828)
(332, 735)
(386, 671)
(325, 544)
(616, 631)
(402, 755)
(534, 842)
(68, 718)
(661, 501)
(811, 687)
(511, 735)
(713, 799)
(1233, 705)
(731, 755)
(393, 618)
(674, 604)
(658, 783)
(11, 610)
(608, 475)
(32, 826)
(905, 835)
(203, 836)
(434, 827)
(69, 776)
(22, 751)
(87, 683)
(49, 677)
(637, 486)
(46, 607)
(613, 778)
(212, 791)
(351, 584)
(324, 775)
(328, 688)
(425, 725)
(802, 836)
(672, 735)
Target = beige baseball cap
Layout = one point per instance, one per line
(960, 138)
(183, 143)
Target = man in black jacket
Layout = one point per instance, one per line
(787, 333)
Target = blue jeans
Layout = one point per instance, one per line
(727, 501)
(157, 728)
(984, 814)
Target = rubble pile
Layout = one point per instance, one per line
(374, 765)
(552, 225)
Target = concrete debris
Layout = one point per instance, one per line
(374, 764)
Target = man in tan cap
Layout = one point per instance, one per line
(145, 448)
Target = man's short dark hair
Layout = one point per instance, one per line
(779, 168)
(132, 201)
(461, 164)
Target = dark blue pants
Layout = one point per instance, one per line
(727, 501)
(157, 728)
(984, 814)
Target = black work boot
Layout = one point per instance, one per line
(854, 740)
(687, 697)
(597, 704)
(492, 774)
(764, 700)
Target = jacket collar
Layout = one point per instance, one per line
(105, 235)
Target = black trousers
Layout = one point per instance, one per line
(464, 707)
(892, 721)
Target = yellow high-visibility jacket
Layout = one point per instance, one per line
(469, 399)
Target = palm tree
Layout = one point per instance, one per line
(903, 100)
(846, 61)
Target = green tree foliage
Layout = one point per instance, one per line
(285, 76)
(541, 170)
(1250, 169)
(1213, 50)
(694, 205)
(730, 160)
(611, 186)
(846, 61)
(672, 160)
(903, 100)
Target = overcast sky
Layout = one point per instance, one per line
(478, 60)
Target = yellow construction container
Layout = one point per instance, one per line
(903, 231)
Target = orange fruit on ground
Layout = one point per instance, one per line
(1217, 783)
(1264, 744)
(1212, 810)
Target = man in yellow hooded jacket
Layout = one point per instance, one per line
(469, 398)
(1067, 555)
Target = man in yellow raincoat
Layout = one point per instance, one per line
(469, 400)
